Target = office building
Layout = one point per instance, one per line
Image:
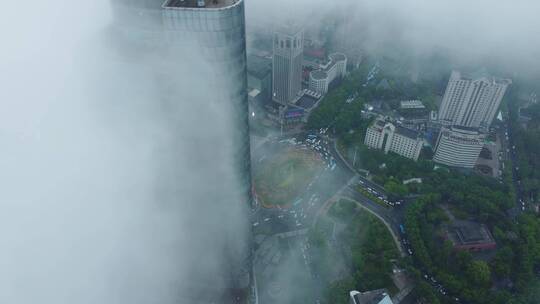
(288, 46)
(472, 100)
(459, 146)
(320, 79)
(389, 137)
(379, 296)
(168, 29)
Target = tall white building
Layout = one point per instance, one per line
(386, 136)
(459, 146)
(287, 63)
(472, 100)
(320, 79)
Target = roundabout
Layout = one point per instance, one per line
(282, 177)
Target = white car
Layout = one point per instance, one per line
(255, 224)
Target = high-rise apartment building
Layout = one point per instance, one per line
(215, 30)
(386, 136)
(287, 63)
(459, 146)
(472, 100)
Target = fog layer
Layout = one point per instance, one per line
(469, 32)
(113, 166)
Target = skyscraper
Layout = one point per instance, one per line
(217, 27)
(472, 100)
(287, 63)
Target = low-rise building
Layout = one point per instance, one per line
(459, 146)
(470, 236)
(320, 79)
(412, 105)
(286, 115)
(384, 135)
(379, 296)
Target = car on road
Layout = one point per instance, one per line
(255, 224)
(267, 219)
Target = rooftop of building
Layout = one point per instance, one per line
(199, 3)
(412, 104)
(469, 233)
(464, 129)
(306, 101)
(479, 74)
(323, 72)
(399, 129)
(319, 75)
(410, 133)
(379, 296)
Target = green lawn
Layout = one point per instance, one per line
(280, 179)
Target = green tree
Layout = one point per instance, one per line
(479, 274)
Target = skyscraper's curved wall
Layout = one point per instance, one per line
(220, 33)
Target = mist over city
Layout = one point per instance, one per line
(257, 151)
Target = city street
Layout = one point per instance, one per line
(337, 180)
(291, 224)
(509, 149)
